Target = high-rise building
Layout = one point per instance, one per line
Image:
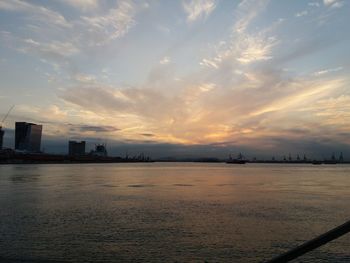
(28, 136)
(2, 132)
(76, 148)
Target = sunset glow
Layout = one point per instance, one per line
(262, 75)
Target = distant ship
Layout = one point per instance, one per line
(331, 161)
(239, 160)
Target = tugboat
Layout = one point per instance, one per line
(315, 162)
(239, 160)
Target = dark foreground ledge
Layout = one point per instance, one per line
(313, 244)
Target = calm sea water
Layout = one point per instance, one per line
(170, 212)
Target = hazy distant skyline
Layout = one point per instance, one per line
(202, 77)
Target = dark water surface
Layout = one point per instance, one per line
(170, 212)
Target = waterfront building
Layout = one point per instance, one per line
(100, 150)
(76, 148)
(28, 137)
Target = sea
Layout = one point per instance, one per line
(170, 212)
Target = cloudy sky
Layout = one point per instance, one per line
(195, 77)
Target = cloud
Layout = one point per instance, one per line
(257, 104)
(242, 46)
(92, 128)
(231, 99)
(338, 5)
(255, 48)
(239, 95)
(329, 2)
(313, 90)
(196, 9)
(39, 13)
(148, 134)
(63, 49)
(333, 3)
(246, 12)
(82, 4)
(326, 71)
(55, 40)
(208, 63)
(82, 32)
(84, 78)
(55, 53)
(115, 24)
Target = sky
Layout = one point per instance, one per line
(179, 78)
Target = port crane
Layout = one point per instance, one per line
(1, 125)
(6, 115)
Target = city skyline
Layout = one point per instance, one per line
(180, 77)
(25, 141)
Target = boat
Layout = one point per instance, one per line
(331, 161)
(239, 160)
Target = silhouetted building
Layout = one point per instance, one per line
(2, 132)
(28, 136)
(76, 148)
(100, 150)
(341, 158)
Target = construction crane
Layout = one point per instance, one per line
(1, 124)
(6, 115)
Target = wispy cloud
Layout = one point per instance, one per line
(208, 63)
(89, 30)
(255, 48)
(53, 52)
(242, 46)
(329, 2)
(41, 13)
(55, 39)
(326, 71)
(116, 23)
(246, 12)
(84, 78)
(333, 3)
(207, 112)
(196, 9)
(82, 4)
(83, 128)
(64, 49)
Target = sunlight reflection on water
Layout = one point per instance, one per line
(167, 212)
